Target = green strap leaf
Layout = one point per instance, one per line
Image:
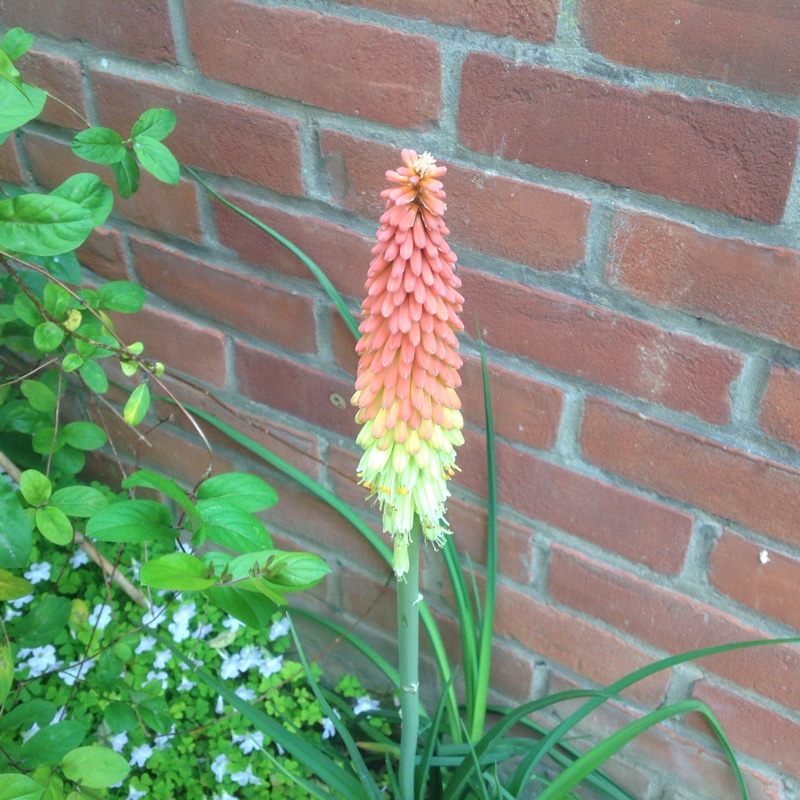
(43, 225)
(157, 159)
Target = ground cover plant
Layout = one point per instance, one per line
(172, 676)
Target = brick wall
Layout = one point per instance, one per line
(622, 197)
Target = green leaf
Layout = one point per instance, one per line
(46, 440)
(48, 746)
(63, 267)
(120, 717)
(14, 786)
(232, 528)
(121, 296)
(89, 192)
(56, 300)
(94, 376)
(157, 123)
(247, 492)
(42, 224)
(54, 525)
(15, 532)
(35, 487)
(39, 711)
(168, 487)
(131, 521)
(40, 396)
(17, 108)
(9, 72)
(295, 571)
(255, 610)
(157, 159)
(95, 767)
(137, 405)
(68, 460)
(71, 362)
(16, 43)
(84, 435)
(6, 671)
(179, 572)
(13, 587)
(47, 336)
(42, 624)
(98, 145)
(126, 174)
(27, 310)
(79, 501)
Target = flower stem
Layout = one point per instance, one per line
(408, 638)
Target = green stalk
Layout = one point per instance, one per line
(408, 641)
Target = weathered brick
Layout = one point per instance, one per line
(636, 528)
(696, 151)
(763, 495)
(603, 346)
(733, 42)
(178, 343)
(673, 622)
(104, 255)
(137, 29)
(532, 21)
(358, 69)
(295, 388)
(601, 656)
(675, 266)
(60, 76)
(518, 221)
(10, 166)
(342, 254)
(228, 139)
(738, 570)
(780, 408)
(752, 728)
(253, 306)
(158, 206)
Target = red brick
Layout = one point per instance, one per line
(254, 306)
(763, 495)
(343, 344)
(612, 518)
(675, 266)
(674, 622)
(63, 79)
(597, 654)
(104, 255)
(732, 41)
(518, 221)
(533, 21)
(524, 410)
(157, 205)
(178, 343)
(780, 408)
(769, 588)
(752, 728)
(340, 253)
(10, 166)
(696, 151)
(603, 346)
(230, 140)
(296, 389)
(137, 29)
(357, 69)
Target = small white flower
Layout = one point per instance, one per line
(79, 558)
(135, 566)
(100, 616)
(328, 728)
(146, 644)
(245, 693)
(270, 666)
(233, 624)
(249, 657)
(30, 732)
(219, 766)
(39, 572)
(76, 671)
(249, 741)
(186, 685)
(225, 796)
(10, 614)
(245, 778)
(158, 675)
(364, 704)
(201, 631)
(140, 755)
(179, 632)
(41, 660)
(278, 629)
(164, 740)
(230, 667)
(153, 617)
(220, 706)
(136, 794)
(119, 741)
(21, 601)
(162, 659)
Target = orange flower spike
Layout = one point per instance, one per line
(408, 364)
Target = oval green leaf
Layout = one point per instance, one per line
(232, 528)
(42, 624)
(121, 296)
(15, 532)
(6, 672)
(12, 587)
(54, 525)
(40, 396)
(95, 767)
(157, 159)
(84, 435)
(42, 224)
(48, 746)
(35, 487)
(98, 145)
(14, 786)
(179, 572)
(90, 192)
(18, 107)
(239, 489)
(94, 376)
(56, 300)
(131, 521)
(137, 405)
(16, 42)
(47, 336)
(157, 123)
(79, 501)
(126, 174)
